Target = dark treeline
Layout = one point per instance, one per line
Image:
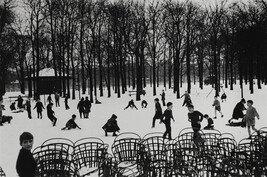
(120, 45)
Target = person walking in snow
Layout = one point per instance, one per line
(131, 104)
(250, 117)
(71, 124)
(51, 114)
(80, 107)
(166, 119)
(66, 102)
(87, 107)
(217, 106)
(158, 112)
(163, 98)
(39, 107)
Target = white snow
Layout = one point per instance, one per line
(130, 120)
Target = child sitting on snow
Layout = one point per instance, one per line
(12, 106)
(210, 125)
(71, 123)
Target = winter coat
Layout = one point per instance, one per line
(111, 125)
(39, 105)
(26, 165)
(238, 111)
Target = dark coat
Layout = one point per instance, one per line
(238, 111)
(166, 117)
(158, 114)
(111, 125)
(20, 101)
(71, 124)
(39, 106)
(80, 106)
(26, 165)
(87, 105)
(50, 112)
(195, 117)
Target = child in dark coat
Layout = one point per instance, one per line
(12, 106)
(20, 102)
(238, 110)
(111, 126)
(210, 125)
(187, 99)
(71, 124)
(158, 111)
(26, 165)
(80, 107)
(195, 117)
(166, 119)
(87, 107)
(39, 107)
(50, 114)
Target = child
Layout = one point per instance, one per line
(250, 117)
(144, 104)
(28, 108)
(80, 107)
(26, 165)
(223, 97)
(238, 110)
(195, 117)
(50, 114)
(87, 107)
(39, 107)
(20, 102)
(49, 99)
(131, 104)
(163, 97)
(71, 123)
(57, 99)
(111, 126)
(66, 102)
(167, 121)
(187, 99)
(12, 106)
(210, 125)
(158, 112)
(217, 106)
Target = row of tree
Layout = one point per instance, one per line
(121, 44)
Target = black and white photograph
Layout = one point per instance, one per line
(133, 88)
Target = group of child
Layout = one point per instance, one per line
(26, 164)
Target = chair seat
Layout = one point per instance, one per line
(128, 168)
(126, 164)
(87, 170)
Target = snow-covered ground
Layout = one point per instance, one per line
(130, 120)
